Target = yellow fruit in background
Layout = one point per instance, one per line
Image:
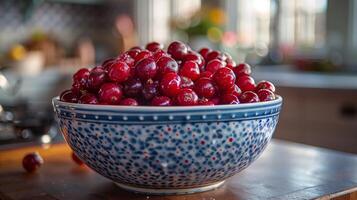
(17, 52)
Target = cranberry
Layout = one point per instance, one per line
(146, 69)
(197, 58)
(231, 64)
(265, 85)
(133, 87)
(186, 97)
(110, 93)
(153, 46)
(204, 52)
(170, 84)
(186, 82)
(177, 49)
(96, 78)
(151, 89)
(166, 64)
(133, 52)
(142, 55)
(224, 78)
(161, 101)
(190, 70)
(248, 97)
(76, 159)
(81, 77)
(212, 55)
(207, 74)
(32, 161)
(265, 95)
(127, 59)
(229, 99)
(158, 54)
(88, 98)
(129, 102)
(205, 102)
(107, 63)
(69, 96)
(235, 90)
(214, 65)
(242, 70)
(246, 83)
(205, 87)
(215, 100)
(119, 72)
(136, 47)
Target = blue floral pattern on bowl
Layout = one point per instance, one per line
(168, 147)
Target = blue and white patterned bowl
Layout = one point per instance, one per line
(165, 150)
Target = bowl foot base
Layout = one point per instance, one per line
(169, 191)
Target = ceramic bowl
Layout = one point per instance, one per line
(168, 150)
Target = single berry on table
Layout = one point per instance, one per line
(32, 161)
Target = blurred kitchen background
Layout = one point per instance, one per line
(308, 48)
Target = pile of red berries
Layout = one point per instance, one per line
(176, 77)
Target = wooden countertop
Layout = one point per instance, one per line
(284, 171)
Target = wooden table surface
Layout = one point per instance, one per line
(284, 171)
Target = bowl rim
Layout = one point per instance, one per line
(276, 101)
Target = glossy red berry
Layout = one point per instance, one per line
(129, 102)
(215, 100)
(265, 85)
(265, 95)
(69, 96)
(229, 99)
(146, 69)
(108, 63)
(32, 161)
(195, 57)
(186, 83)
(161, 101)
(248, 97)
(81, 77)
(190, 70)
(204, 52)
(153, 46)
(170, 84)
(224, 78)
(151, 89)
(133, 87)
(88, 98)
(158, 54)
(242, 69)
(96, 78)
(186, 97)
(214, 65)
(246, 83)
(76, 159)
(127, 59)
(119, 72)
(235, 90)
(177, 49)
(110, 93)
(133, 52)
(205, 102)
(207, 74)
(212, 55)
(205, 87)
(142, 55)
(165, 65)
